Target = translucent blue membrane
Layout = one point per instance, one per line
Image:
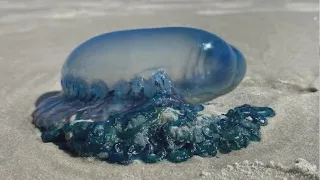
(136, 94)
(198, 62)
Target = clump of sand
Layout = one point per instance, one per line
(300, 169)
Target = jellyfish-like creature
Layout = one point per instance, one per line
(138, 94)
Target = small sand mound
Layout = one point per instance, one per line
(300, 170)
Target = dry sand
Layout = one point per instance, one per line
(279, 40)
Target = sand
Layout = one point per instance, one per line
(279, 39)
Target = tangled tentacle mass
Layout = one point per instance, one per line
(144, 119)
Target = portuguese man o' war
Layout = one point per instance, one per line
(137, 95)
